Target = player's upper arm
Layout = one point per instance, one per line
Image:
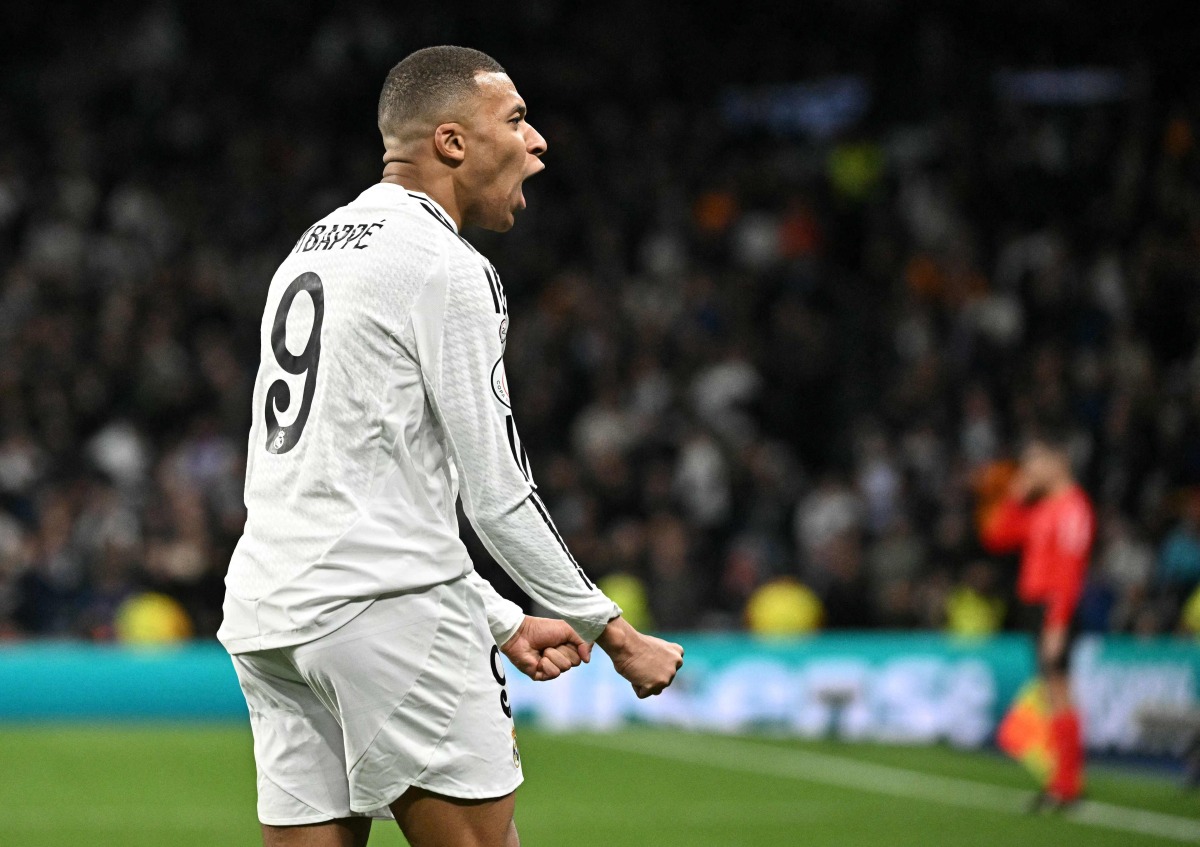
(459, 328)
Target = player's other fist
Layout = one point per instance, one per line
(649, 663)
(545, 648)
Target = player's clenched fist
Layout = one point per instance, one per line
(545, 648)
(649, 663)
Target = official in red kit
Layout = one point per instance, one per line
(1049, 518)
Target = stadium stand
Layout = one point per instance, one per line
(777, 313)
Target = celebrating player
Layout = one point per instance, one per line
(1049, 518)
(366, 645)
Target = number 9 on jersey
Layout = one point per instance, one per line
(281, 439)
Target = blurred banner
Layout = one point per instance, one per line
(898, 687)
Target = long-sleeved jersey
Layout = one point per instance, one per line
(1055, 537)
(381, 398)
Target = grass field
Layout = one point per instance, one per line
(169, 786)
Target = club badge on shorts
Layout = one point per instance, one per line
(516, 752)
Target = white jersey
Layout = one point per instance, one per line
(380, 397)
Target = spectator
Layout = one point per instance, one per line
(770, 349)
(783, 607)
(973, 608)
(1179, 557)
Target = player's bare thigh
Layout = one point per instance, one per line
(433, 820)
(349, 832)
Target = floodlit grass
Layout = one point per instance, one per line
(193, 786)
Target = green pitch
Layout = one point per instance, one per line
(188, 786)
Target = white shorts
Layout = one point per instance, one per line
(409, 692)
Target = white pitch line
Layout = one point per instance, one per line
(804, 765)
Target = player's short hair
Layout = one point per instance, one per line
(425, 84)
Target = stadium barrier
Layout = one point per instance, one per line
(899, 687)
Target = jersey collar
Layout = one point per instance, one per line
(434, 208)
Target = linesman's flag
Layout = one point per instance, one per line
(1024, 733)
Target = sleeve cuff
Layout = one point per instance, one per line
(589, 630)
(505, 621)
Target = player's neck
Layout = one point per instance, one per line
(408, 176)
(1059, 486)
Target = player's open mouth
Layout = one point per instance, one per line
(521, 186)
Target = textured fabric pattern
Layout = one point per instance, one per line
(382, 334)
(458, 331)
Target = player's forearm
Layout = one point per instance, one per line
(616, 636)
(526, 544)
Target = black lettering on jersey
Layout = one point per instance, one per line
(359, 229)
(500, 383)
(300, 242)
(281, 439)
(342, 237)
(314, 236)
(367, 233)
(497, 667)
(328, 236)
(501, 680)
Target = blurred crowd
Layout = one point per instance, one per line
(771, 371)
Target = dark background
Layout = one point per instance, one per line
(759, 331)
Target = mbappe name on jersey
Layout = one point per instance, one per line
(329, 236)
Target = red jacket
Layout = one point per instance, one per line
(1055, 538)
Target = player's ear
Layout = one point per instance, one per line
(450, 142)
